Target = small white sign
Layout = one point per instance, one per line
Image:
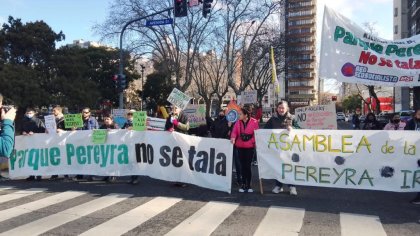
(249, 97)
(50, 124)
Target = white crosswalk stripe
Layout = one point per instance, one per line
(47, 223)
(127, 221)
(355, 225)
(209, 218)
(20, 194)
(205, 220)
(36, 205)
(288, 221)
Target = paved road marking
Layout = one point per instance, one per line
(205, 220)
(36, 205)
(52, 221)
(20, 194)
(131, 219)
(281, 221)
(353, 224)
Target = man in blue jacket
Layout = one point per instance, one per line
(7, 133)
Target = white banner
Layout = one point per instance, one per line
(317, 117)
(179, 99)
(352, 55)
(374, 160)
(162, 155)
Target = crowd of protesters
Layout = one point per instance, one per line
(240, 133)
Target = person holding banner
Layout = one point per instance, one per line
(371, 123)
(129, 123)
(395, 123)
(244, 140)
(89, 123)
(59, 120)
(282, 119)
(414, 124)
(30, 125)
(109, 124)
(220, 126)
(356, 119)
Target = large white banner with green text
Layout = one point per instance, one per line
(162, 155)
(352, 55)
(374, 160)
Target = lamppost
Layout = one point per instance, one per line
(142, 85)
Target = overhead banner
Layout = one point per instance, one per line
(352, 55)
(161, 155)
(317, 117)
(373, 160)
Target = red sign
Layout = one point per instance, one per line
(386, 104)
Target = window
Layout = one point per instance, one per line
(395, 29)
(396, 12)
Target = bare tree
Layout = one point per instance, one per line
(177, 45)
(243, 23)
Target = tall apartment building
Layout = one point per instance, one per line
(401, 30)
(406, 24)
(301, 76)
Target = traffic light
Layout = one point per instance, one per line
(123, 81)
(115, 80)
(180, 8)
(334, 98)
(206, 7)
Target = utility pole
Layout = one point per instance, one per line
(142, 86)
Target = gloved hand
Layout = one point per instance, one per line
(175, 122)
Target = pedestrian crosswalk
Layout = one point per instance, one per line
(208, 217)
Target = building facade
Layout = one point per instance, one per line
(300, 69)
(401, 13)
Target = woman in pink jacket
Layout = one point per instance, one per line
(244, 140)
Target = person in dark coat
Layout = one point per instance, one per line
(220, 127)
(282, 119)
(371, 123)
(31, 125)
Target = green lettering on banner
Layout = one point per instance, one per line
(99, 136)
(73, 121)
(139, 121)
(323, 175)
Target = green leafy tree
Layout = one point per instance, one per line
(157, 88)
(350, 103)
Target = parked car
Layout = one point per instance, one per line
(406, 115)
(341, 116)
(383, 118)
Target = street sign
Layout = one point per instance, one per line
(168, 21)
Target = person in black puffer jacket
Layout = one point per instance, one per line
(282, 119)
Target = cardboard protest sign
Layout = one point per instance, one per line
(196, 115)
(99, 136)
(73, 121)
(139, 120)
(179, 99)
(317, 117)
(233, 109)
(50, 124)
(249, 97)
